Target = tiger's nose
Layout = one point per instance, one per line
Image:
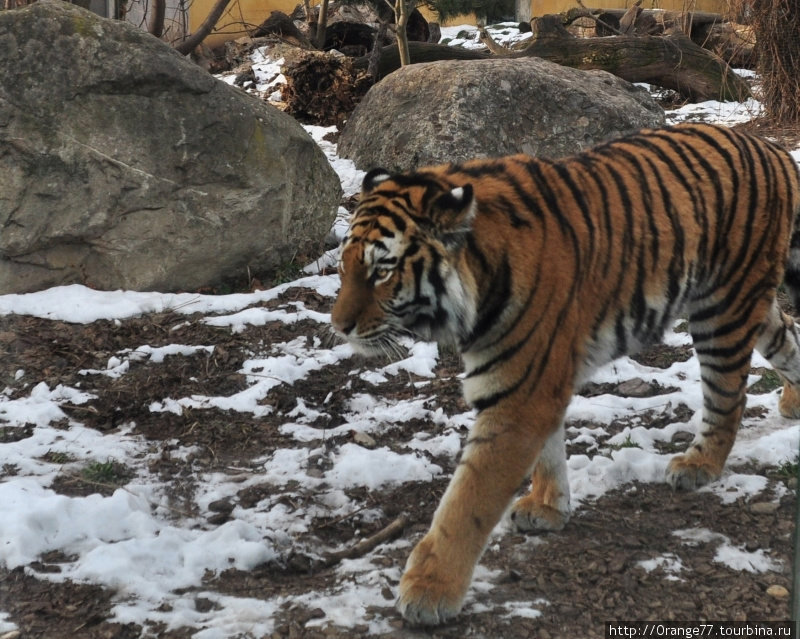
(345, 328)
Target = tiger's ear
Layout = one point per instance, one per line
(373, 179)
(453, 211)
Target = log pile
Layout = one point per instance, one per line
(688, 52)
(672, 60)
(731, 41)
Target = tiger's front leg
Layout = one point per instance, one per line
(546, 506)
(499, 453)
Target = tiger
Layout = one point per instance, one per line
(540, 271)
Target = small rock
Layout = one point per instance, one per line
(221, 506)
(202, 604)
(682, 436)
(317, 613)
(752, 546)
(779, 592)
(316, 473)
(616, 565)
(299, 563)
(217, 519)
(764, 507)
(362, 439)
(634, 388)
(510, 577)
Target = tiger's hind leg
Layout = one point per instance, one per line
(780, 345)
(546, 507)
(724, 344)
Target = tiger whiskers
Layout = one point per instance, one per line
(330, 338)
(391, 348)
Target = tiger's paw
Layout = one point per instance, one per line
(430, 592)
(789, 404)
(529, 515)
(691, 471)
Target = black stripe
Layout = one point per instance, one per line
(489, 401)
(495, 301)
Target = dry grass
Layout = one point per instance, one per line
(777, 27)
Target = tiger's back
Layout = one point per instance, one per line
(542, 270)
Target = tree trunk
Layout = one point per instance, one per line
(403, 10)
(777, 27)
(671, 61)
(375, 54)
(686, 20)
(322, 25)
(194, 40)
(158, 11)
(435, 32)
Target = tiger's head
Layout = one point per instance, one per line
(399, 264)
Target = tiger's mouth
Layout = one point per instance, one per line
(387, 344)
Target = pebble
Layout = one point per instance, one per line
(779, 592)
(221, 506)
(510, 577)
(634, 388)
(362, 439)
(217, 519)
(764, 507)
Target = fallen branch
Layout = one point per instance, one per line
(671, 61)
(627, 22)
(370, 543)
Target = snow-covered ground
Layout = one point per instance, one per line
(133, 543)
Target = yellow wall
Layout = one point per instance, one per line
(430, 16)
(254, 12)
(543, 7)
(229, 27)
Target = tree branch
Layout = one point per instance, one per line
(370, 543)
(188, 45)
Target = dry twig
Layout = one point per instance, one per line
(370, 543)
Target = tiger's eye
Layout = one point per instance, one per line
(382, 273)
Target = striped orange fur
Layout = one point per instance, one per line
(539, 272)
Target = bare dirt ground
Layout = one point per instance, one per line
(589, 572)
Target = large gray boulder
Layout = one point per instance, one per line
(451, 111)
(124, 165)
